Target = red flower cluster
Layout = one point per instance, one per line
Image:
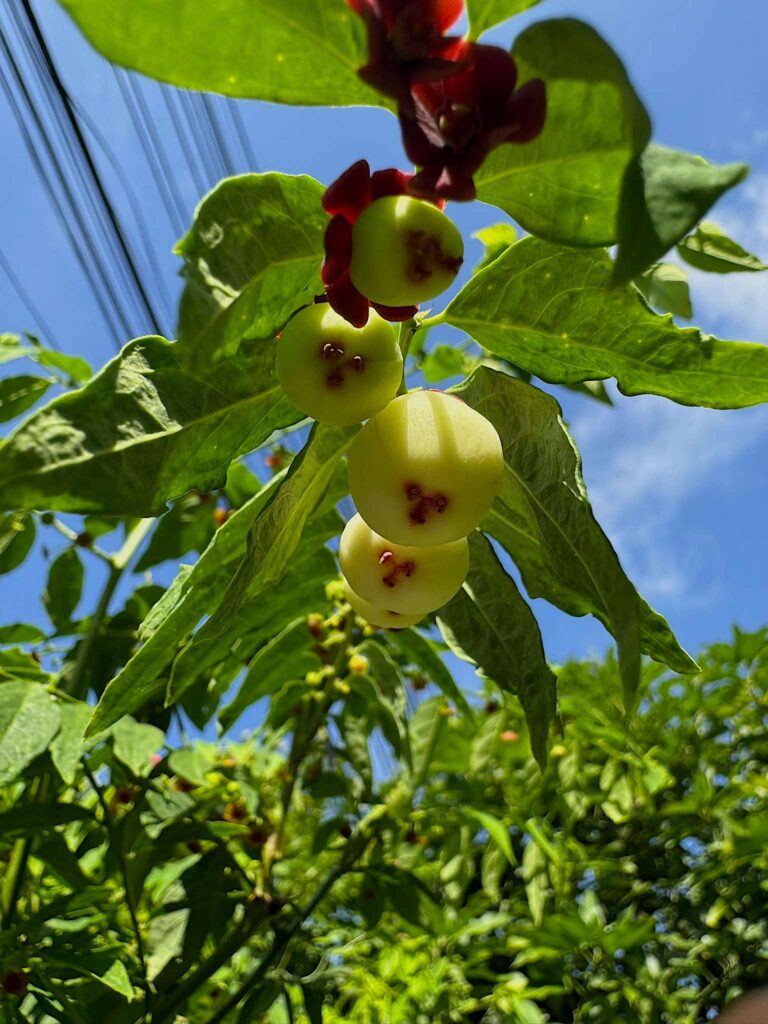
(456, 100)
(406, 42)
(345, 200)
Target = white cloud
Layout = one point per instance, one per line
(646, 458)
(643, 461)
(736, 305)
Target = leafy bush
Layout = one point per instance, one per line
(369, 854)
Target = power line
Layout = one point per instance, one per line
(85, 254)
(160, 174)
(26, 298)
(94, 174)
(242, 134)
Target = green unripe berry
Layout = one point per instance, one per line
(378, 616)
(404, 251)
(337, 373)
(408, 580)
(426, 469)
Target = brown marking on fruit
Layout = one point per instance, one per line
(396, 569)
(424, 503)
(333, 352)
(427, 256)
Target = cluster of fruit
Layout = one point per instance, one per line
(425, 468)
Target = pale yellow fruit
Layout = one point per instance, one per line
(404, 251)
(401, 578)
(334, 372)
(426, 469)
(380, 617)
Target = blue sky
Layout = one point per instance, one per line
(681, 492)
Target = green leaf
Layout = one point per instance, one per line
(542, 517)
(276, 533)
(165, 940)
(77, 369)
(496, 829)
(188, 599)
(64, 588)
(17, 394)
(17, 535)
(116, 978)
(710, 249)
(191, 764)
(134, 743)
(305, 52)
(566, 184)
(552, 311)
(67, 746)
(422, 652)
(21, 633)
(259, 1001)
(492, 626)
(28, 819)
(442, 362)
(497, 239)
(284, 658)
(484, 14)
(12, 347)
(665, 194)
(29, 718)
(301, 591)
(252, 257)
(141, 432)
(188, 526)
(665, 287)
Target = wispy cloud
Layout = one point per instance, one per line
(736, 305)
(647, 459)
(644, 460)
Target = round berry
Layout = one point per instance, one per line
(404, 251)
(409, 580)
(426, 469)
(381, 617)
(337, 373)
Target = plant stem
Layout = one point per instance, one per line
(14, 879)
(126, 883)
(355, 846)
(118, 564)
(72, 536)
(404, 338)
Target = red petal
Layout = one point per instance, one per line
(415, 141)
(494, 72)
(357, 6)
(526, 111)
(390, 182)
(348, 302)
(349, 195)
(395, 314)
(338, 249)
(446, 13)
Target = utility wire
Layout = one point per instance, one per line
(45, 331)
(95, 178)
(91, 267)
(242, 135)
(169, 94)
(87, 201)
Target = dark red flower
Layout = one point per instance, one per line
(345, 200)
(406, 42)
(457, 121)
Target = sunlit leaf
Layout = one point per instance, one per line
(305, 52)
(553, 311)
(141, 432)
(566, 184)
